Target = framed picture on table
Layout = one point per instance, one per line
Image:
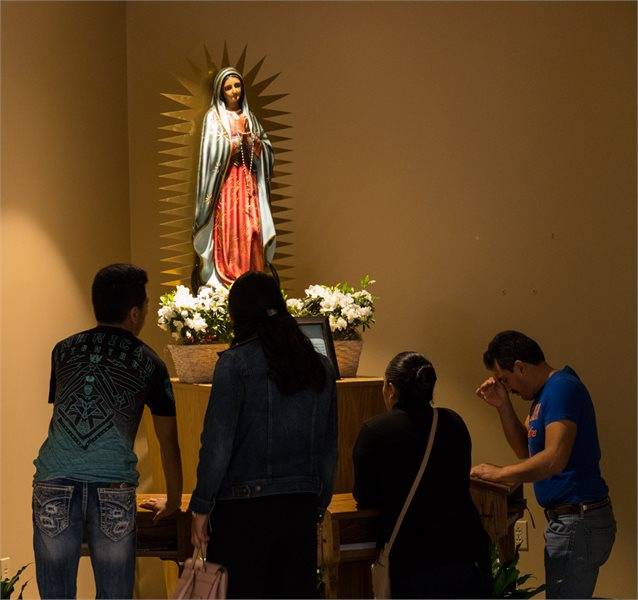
(317, 330)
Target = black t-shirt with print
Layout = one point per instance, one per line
(100, 381)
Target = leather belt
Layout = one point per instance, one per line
(575, 509)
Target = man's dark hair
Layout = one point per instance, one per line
(509, 346)
(116, 290)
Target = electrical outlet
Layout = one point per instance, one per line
(520, 534)
(5, 562)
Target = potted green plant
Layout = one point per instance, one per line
(8, 584)
(507, 579)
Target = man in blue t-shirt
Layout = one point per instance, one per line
(85, 478)
(558, 445)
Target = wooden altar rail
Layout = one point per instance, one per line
(346, 548)
(347, 535)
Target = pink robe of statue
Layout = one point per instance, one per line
(237, 233)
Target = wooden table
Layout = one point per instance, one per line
(347, 536)
(169, 538)
(358, 399)
(500, 505)
(346, 546)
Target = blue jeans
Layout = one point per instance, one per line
(65, 511)
(576, 546)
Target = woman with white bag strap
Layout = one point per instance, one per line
(416, 460)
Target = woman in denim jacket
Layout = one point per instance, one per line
(269, 450)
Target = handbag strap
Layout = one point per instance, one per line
(415, 485)
(200, 551)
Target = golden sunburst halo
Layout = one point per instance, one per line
(178, 160)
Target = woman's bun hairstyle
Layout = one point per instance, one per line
(414, 377)
(424, 377)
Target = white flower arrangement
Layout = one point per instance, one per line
(347, 309)
(200, 319)
(204, 318)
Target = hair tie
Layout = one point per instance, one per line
(418, 371)
(271, 312)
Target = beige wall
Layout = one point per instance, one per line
(477, 159)
(64, 214)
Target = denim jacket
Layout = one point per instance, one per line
(258, 442)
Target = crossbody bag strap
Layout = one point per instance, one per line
(415, 485)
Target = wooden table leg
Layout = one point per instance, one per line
(328, 549)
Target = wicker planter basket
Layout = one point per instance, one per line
(195, 363)
(348, 353)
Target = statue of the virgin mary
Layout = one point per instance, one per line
(233, 230)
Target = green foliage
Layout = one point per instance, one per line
(8, 584)
(506, 578)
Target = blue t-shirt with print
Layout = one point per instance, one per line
(101, 379)
(564, 397)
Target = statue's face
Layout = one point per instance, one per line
(231, 89)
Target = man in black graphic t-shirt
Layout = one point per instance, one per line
(85, 471)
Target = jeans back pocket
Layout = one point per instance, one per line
(117, 512)
(51, 507)
(601, 534)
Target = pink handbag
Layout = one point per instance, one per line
(201, 580)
